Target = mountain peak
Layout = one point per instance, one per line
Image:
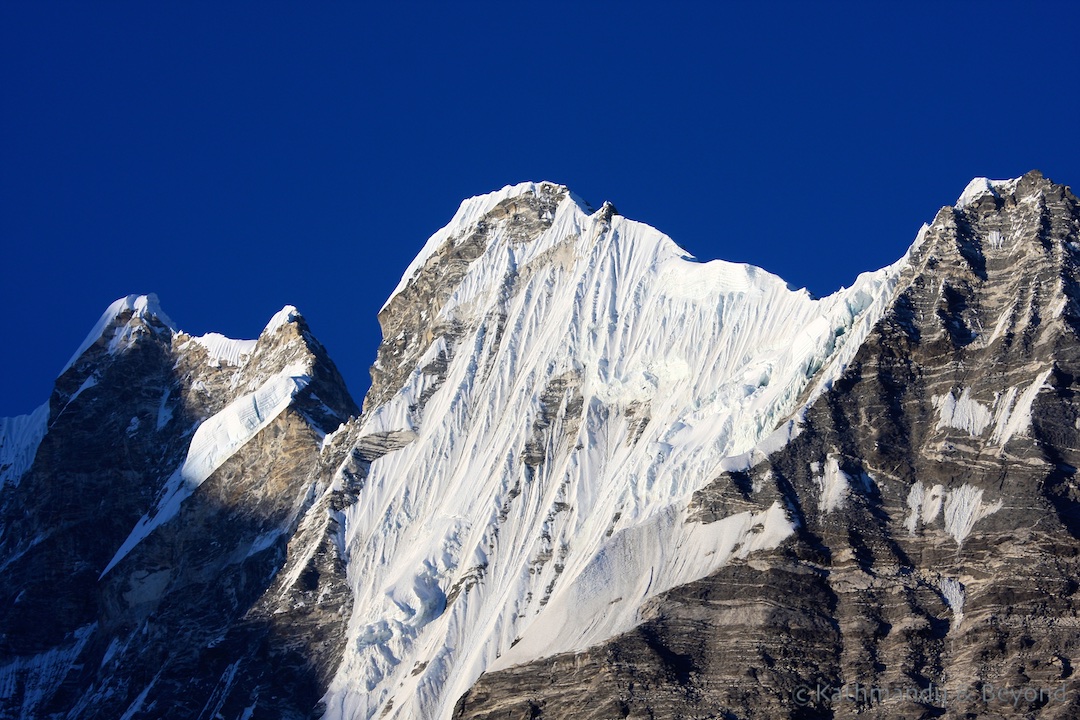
(1031, 182)
(287, 314)
(123, 318)
(474, 209)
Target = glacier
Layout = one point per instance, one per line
(645, 372)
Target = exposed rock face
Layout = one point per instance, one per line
(238, 596)
(935, 493)
(593, 479)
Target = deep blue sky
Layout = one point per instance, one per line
(234, 158)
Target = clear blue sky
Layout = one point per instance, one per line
(234, 158)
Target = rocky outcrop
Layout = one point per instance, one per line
(934, 570)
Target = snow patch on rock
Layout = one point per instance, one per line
(952, 591)
(962, 412)
(221, 350)
(963, 508)
(1010, 419)
(216, 440)
(834, 485)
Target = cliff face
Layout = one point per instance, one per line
(593, 478)
(935, 495)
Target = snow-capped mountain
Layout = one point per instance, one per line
(593, 477)
(568, 379)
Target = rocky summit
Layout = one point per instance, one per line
(593, 478)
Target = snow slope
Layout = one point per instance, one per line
(464, 554)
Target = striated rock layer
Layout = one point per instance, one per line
(593, 478)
